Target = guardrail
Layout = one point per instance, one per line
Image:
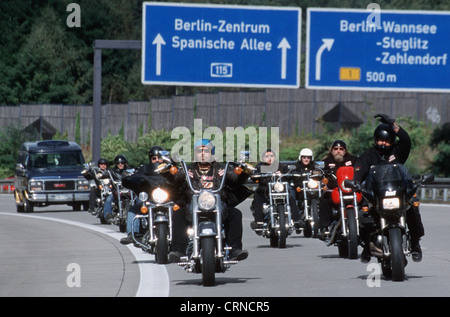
(438, 191)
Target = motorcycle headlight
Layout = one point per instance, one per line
(206, 200)
(278, 187)
(143, 196)
(313, 184)
(105, 181)
(159, 195)
(391, 203)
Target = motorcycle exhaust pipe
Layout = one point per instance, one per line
(334, 233)
(375, 251)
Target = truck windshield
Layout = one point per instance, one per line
(56, 160)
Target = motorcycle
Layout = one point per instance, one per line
(311, 186)
(155, 218)
(344, 229)
(207, 252)
(391, 192)
(278, 224)
(102, 180)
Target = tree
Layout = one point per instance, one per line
(440, 140)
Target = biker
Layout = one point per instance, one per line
(205, 172)
(95, 191)
(305, 164)
(305, 161)
(155, 159)
(338, 156)
(261, 193)
(119, 171)
(386, 151)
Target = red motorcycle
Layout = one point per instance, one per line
(345, 226)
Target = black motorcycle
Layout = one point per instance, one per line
(390, 190)
(154, 208)
(309, 190)
(278, 224)
(207, 252)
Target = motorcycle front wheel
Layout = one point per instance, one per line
(162, 247)
(352, 234)
(282, 231)
(397, 256)
(315, 216)
(208, 261)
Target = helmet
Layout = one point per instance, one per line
(102, 161)
(384, 132)
(155, 151)
(120, 159)
(207, 143)
(306, 152)
(339, 143)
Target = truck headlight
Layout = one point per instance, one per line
(206, 200)
(35, 186)
(83, 184)
(159, 195)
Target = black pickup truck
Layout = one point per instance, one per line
(49, 173)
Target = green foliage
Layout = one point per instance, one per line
(12, 138)
(440, 140)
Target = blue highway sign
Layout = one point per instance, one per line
(220, 45)
(378, 50)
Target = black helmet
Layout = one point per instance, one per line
(339, 143)
(384, 132)
(120, 159)
(155, 151)
(102, 161)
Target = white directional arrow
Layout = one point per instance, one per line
(158, 41)
(327, 43)
(284, 45)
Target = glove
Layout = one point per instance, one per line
(385, 118)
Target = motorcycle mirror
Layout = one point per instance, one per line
(349, 183)
(320, 164)
(291, 167)
(164, 153)
(244, 155)
(427, 178)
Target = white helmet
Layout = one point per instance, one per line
(306, 152)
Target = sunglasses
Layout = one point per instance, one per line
(338, 149)
(203, 150)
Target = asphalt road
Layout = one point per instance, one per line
(58, 252)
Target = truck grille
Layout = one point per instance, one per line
(60, 185)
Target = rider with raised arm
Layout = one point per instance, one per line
(387, 151)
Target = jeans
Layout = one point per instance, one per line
(132, 212)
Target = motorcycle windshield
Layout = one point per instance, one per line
(389, 177)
